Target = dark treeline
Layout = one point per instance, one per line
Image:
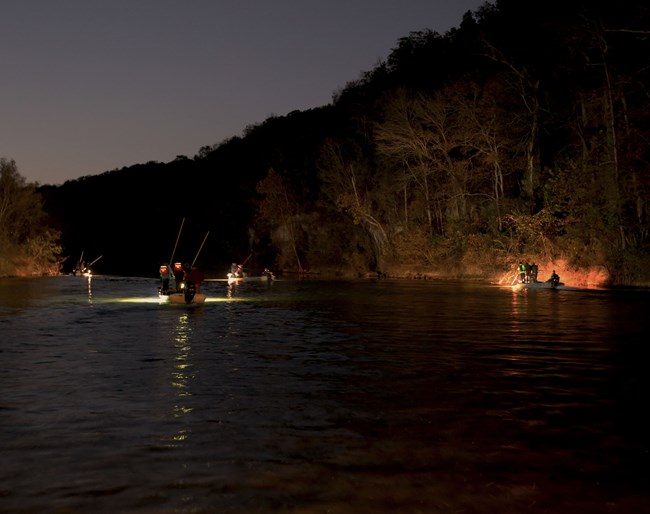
(522, 133)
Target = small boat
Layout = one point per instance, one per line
(186, 293)
(185, 296)
(82, 268)
(539, 285)
(237, 278)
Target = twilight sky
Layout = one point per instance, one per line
(91, 86)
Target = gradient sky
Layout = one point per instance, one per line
(91, 86)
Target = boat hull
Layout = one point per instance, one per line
(538, 285)
(179, 298)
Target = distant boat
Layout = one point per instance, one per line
(82, 268)
(236, 278)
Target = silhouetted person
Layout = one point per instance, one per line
(193, 276)
(534, 270)
(178, 275)
(165, 276)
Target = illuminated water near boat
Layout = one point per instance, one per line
(322, 396)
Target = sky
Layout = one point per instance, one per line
(92, 86)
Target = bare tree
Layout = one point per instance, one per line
(281, 208)
(526, 85)
(427, 138)
(340, 176)
(485, 120)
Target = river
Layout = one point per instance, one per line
(365, 396)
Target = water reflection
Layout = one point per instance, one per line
(181, 375)
(516, 308)
(90, 289)
(232, 288)
(342, 397)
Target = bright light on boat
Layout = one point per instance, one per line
(165, 301)
(147, 299)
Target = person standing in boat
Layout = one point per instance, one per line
(522, 272)
(178, 272)
(81, 268)
(528, 268)
(236, 270)
(534, 270)
(165, 276)
(193, 276)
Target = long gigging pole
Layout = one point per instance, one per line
(240, 267)
(506, 276)
(514, 279)
(171, 259)
(89, 265)
(79, 266)
(197, 253)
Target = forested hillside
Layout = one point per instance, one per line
(521, 134)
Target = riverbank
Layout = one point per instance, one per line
(595, 277)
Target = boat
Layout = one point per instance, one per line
(187, 295)
(186, 292)
(82, 268)
(539, 285)
(237, 278)
(532, 283)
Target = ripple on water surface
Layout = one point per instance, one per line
(309, 396)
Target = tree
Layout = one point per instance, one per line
(346, 182)
(29, 246)
(280, 207)
(525, 86)
(432, 140)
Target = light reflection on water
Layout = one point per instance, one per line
(384, 396)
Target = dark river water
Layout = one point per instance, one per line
(322, 396)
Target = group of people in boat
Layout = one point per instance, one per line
(237, 271)
(80, 268)
(528, 274)
(184, 275)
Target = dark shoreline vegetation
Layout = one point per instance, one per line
(523, 134)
